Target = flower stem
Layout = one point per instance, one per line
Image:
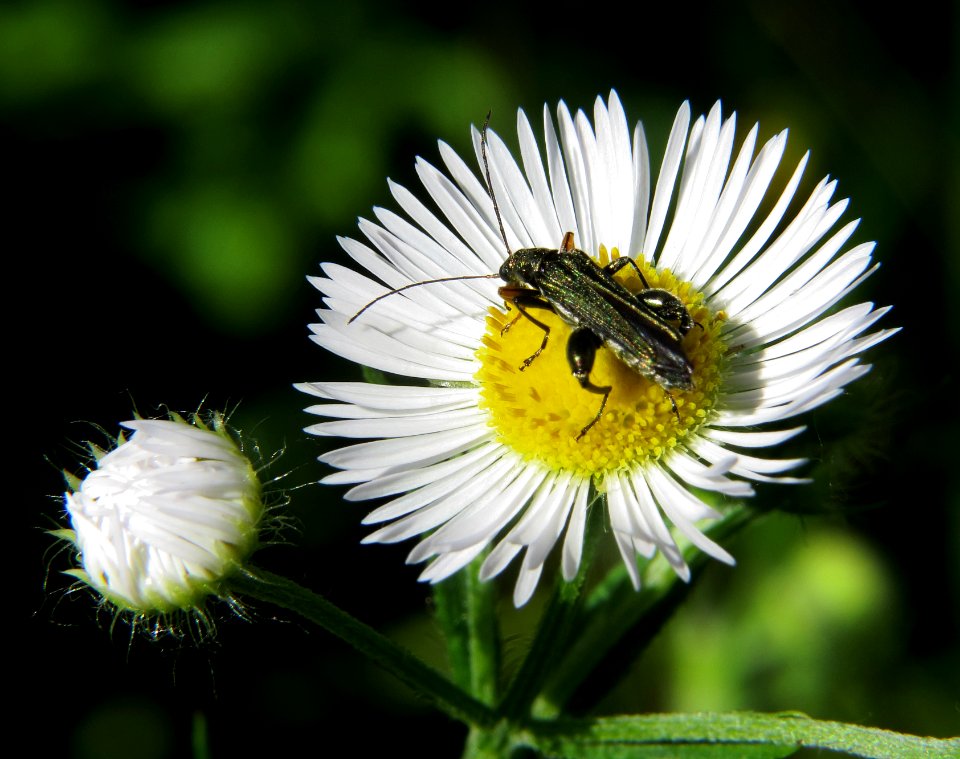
(495, 743)
(426, 681)
(467, 616)
(554, 632)
(617, 623)
(548, 647)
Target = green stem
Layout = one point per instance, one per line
(553, 633)
(427, 682)
(618, 623)
(466, 613)
(495, 743)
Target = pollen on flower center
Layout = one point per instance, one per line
(540, 411)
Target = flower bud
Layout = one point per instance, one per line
(166, 516)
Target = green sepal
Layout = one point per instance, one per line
(64, 533)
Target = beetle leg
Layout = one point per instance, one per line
(676, 411)
(618, 263)
(672, 310)
(546, 336)
(506, 327)
(521, 299)
(511, 294)
(581, 350)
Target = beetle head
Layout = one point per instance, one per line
(522, 267)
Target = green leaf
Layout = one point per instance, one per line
(683, 751)
(734, 734)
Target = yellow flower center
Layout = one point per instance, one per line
(539, 411)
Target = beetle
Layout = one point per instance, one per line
(644, 330)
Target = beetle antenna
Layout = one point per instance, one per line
(486, 173)
(417, 284)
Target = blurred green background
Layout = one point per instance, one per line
(175, 170)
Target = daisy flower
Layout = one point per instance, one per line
(165, 517)
(482, 446)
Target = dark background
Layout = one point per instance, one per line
(175, 170)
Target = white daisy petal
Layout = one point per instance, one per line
(752, 439)
(705, 166)
(830, 331)
(526, 583)
(750, 467)
(709, 477)
(499, 450)
(499, 559)
(469, 517)
(351, 411)
(419, 257)
(391, 483)
(662, 538)
(732, 212)
(394, 398)
(816, 296)
(448, 564)
(559, 185)
(793, 390)
(544, 532)
(683, 509)
(579, 182)
(628, 552)
(573, 544)
(350, 476)
(813, 395)
(441, 484)
(536, 174)
(381, 425)
(641, 188)
(769, 266)
(519, 207)
(713, 184)
(408, 452)
(487, 256)
(756, 242)
(625, 515)
(488, 513)
(467, 219)
(538, 529)
(668, 173)
(761, 299)
(400, 353)
(620, 166)
(595, 175)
